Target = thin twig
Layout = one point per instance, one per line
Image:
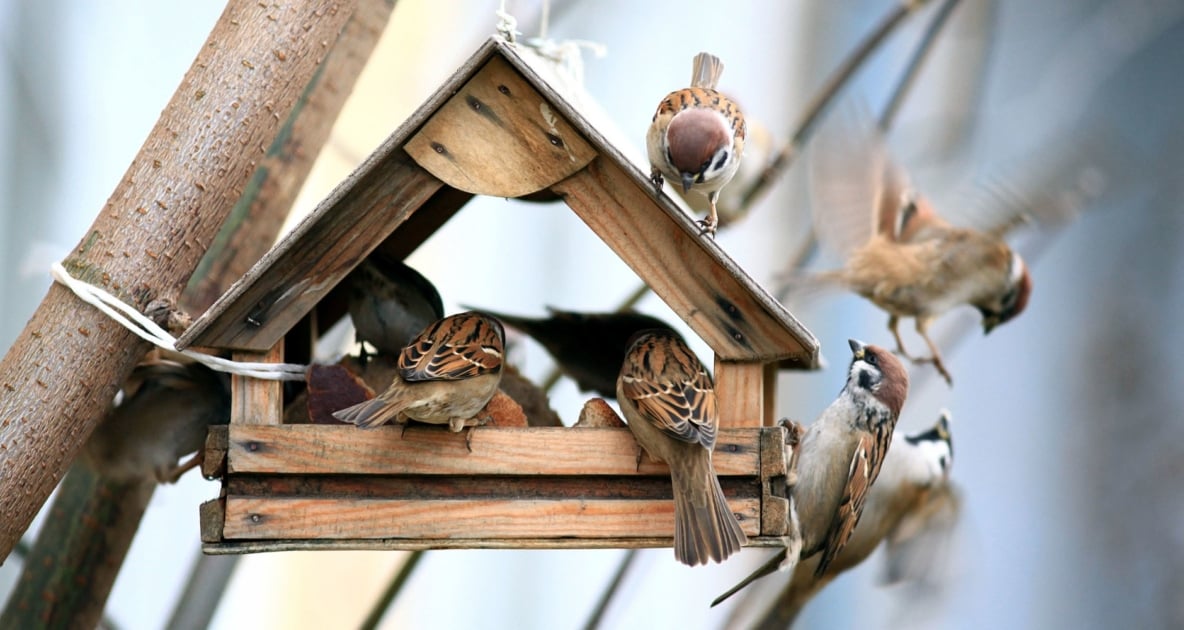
(924, 47)
(611, 590)
(392, 591)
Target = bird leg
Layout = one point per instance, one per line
(469, 438)
(171, 475)
(656, 179)
(893, 322)
(711, 221)
(935, 359)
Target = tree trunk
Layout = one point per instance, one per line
(56, 380)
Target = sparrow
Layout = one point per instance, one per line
(761, 147)
(390, 303)
(899, 253)
(165, 412)
(914, 479)
(840, 458)
(588, 347)
(696, 137)
(668, 400)
(444, 376)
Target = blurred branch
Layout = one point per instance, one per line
(392, 591)
(203, 590)
(913, 68)
(610, 590)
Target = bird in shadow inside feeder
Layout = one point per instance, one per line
(696, 138)
(588, 347)
(898, 252)
(840, 458)
(668, 400)
(390, 303)
(447, 374)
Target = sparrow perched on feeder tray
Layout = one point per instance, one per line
(444, 376)
(668, 400)
(588, 347)
(390, 303)
(165, 414)
(696, 138)
(899, 253)
(840, 457)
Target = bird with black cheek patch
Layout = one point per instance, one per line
(840, 458)
(696, 138)
(668, 399)
(444, 376)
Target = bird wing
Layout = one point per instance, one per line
(861, 473)
(454, 348)
(678, 397)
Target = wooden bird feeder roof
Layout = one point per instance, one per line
(506, 124)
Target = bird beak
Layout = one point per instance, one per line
(989, 324)
(687, 180)
(858, 348)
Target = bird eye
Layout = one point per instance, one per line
(871, 359)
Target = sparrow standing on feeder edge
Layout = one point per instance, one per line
(445, 376)
(696, 138)
(668, 399)
(840, 458)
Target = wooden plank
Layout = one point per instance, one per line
(433, 450)
(770, 390)
(739, 392)
(213, 463)
(774, 493)
(361, 211)
(497, 136)
(328, 518)
(689, 272)
(227, 547)
(254, 400)
(212, 515)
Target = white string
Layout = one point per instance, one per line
(149, 331)
(507, 24)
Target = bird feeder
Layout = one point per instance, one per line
(506, 125)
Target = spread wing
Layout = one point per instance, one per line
(673, 391)
(461, 346)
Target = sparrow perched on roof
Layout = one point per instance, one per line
(165, 413)
(589, 347)
(840, 458)
(668, 399)
(444, 376)
(696, 138)
(899, 253)
(390, 303)
(914, 478)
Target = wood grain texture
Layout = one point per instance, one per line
(226, 547)
(716, 299)
(774, 490)
(211, 516)
(254, 400)
(426, 450)
(63, 370)
(329, 518)
(213, 462)
(740, 391)
(497, 136)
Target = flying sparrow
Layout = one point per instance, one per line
(696, 137)
(390, 303)
(668, 400)
(899, 253)
(914, 477)
(840, 458)
(589, 347)
(444, 376)
(165, 413)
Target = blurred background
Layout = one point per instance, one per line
(1066, 420)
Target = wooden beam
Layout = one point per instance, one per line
(740, 394)
(428, 450)
(253, 400)
(226, 547)
(716, 299)
(332, 518)
(499, 137)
